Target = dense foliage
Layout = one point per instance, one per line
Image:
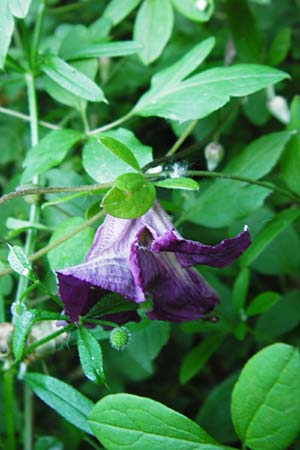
(106, 107)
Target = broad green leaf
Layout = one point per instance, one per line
(18, 261)
(130, 197)
(262, 303)
(197, 10)
(214, 415)
(193, 361)
(278, 223)
(246, 38)
(64, 255)
(153, 27)
(19, 8)
(290, 161)
(71, 79)
(208, 91)
(178, 183)
(134, 423)
(280, 46)
(240, 289)
(225, 201)
(103, 166)
(22, 324)
(121, 151)
(117, 10)
(266, 399)
(49, 152)
(63, 398)
(90, 355)
(7, 28)
(105, 49)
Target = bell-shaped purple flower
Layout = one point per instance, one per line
(146, 256)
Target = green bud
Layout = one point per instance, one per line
(120, 338)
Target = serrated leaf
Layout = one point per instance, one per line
(133, 423)
(153, 27)
(49, 152)
(117, 10)
(266, 399)
(18, 261)
(7, 28)
(90, 355)
(19, 8)
(105, 49)
(72, 79)
(63, 398)
(262, 303)
(121, 151)
(178, 183)
(130, 197)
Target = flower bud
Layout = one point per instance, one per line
(214, 153)
(278, 107)
(120, 338)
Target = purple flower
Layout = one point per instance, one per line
(146, 256)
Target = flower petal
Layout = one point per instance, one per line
(190, 253)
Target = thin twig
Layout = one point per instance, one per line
(10, 112)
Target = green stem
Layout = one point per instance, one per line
(48, 338)
(28, 406)
(37, 34)
(9, 409)
(43, 251)
(10, 112)
(182, 138)
(2, 309)
(112, 124)
(85, 121)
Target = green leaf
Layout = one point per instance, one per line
(193, 361)
(22, 324)
(200, 95)
(266, 399)
(262, 303)
(277, 224)
(240, 289)
(103, 166)
(178, 183)
(199, 11)
(225, 201)
(90, 355)
(121, 151)
(18, 261)
(7, 28)
(290, 161)
(105, 49)
(130, 197)
(64, 255)
(49, 152)
(19, 8)
(71, 79)
(134, 423)
(63, 398)
(280, 46)
(247, 39)
(153, 27)
(117, 10)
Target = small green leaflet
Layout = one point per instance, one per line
(90, 355)
(121, 151)
(71, 79)
(178, 183)
(105, 49)
(7, 28)
(130, 197)
(117, 10)
(263, 302)
(19, 8)
(18, 261)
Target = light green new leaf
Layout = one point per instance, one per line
(134, 423)
(103, 166)
(105, 49)
(71, 79)
(262, 303)
(199, 11)
(121, 151)
(63, 398)
(19, 8)
(153, 27)
(266, 399)
(178, 183)
(7, 28)
(117, 10)
(130, 197)
(49, 152)
(90, 355)
(279, 222)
